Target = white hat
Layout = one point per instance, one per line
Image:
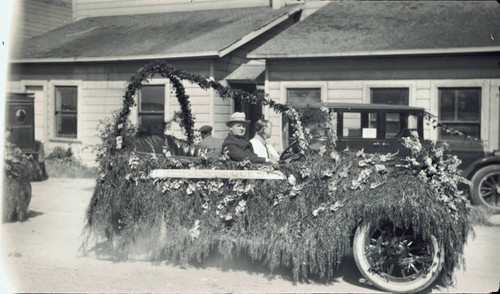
(237, 117)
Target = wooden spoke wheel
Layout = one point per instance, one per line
(486, 187)
(395, 259)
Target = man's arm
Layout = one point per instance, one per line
(237, 154)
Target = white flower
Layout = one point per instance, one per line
(362, 163)
(322, 151)
(375, 185)
(332, 186)
(129, 177)
(335, 156)
(194, 232)
(241, 206)
(380, 168)
(119, 142)
(327, 173)
(315, 212)
(292, 180)
(190, 188)
(336, 206)
(305, 172)
(355, 184)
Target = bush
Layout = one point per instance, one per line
(61, 162)
(16, 184)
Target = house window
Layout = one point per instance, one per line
(397, 96)
(152, 108)
(460, 109)
(66, 113)
(304, 97)
(307, 101)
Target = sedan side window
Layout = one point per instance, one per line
(359, 125)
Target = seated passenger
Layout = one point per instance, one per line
(260, 146)
(238, 147)
(208, 141)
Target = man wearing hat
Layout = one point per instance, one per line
(238, 147)
(209, 142)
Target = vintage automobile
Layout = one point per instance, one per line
(156, 197)
(20, 124)
(378, 128)
(411, 262)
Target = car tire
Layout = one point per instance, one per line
(485, 189)
(395, 259)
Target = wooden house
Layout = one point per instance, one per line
(440, 55)
(78, 72)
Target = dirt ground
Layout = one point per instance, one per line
(42, 255)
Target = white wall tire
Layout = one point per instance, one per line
(485, 189)
(396, 261)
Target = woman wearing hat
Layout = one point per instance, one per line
(238, 147)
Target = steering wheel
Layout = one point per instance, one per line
(402, 133)
(290, 153)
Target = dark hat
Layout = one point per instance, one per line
(205, 129)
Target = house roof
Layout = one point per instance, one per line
(362, 28)
(152, 36)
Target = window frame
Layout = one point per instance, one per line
(284, 86)
(52, 108)
(387, 120)
(485, 103)
(139, 102)
(450, 123)
(43, 111)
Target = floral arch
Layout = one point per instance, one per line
(176, 76)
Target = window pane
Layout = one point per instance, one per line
(460, 110)
(66, 125)
(153, 98)
(352, 125)
(66, 98)
(473, 130)
(152, 123)
(301, 98)
(468, 105)
(392, 125)
(446, 104)
(398, 96)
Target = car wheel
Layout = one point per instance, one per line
(486, 187)
(395, 259)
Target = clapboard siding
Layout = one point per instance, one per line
(95, 71)
(35, 17)
(89, 8)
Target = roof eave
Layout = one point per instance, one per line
(252, 35)
(381, 53)
(210, 54)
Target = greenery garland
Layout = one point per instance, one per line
(176, 76)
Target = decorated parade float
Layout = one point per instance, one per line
(404, 218)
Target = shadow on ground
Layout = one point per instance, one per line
(33, 213)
